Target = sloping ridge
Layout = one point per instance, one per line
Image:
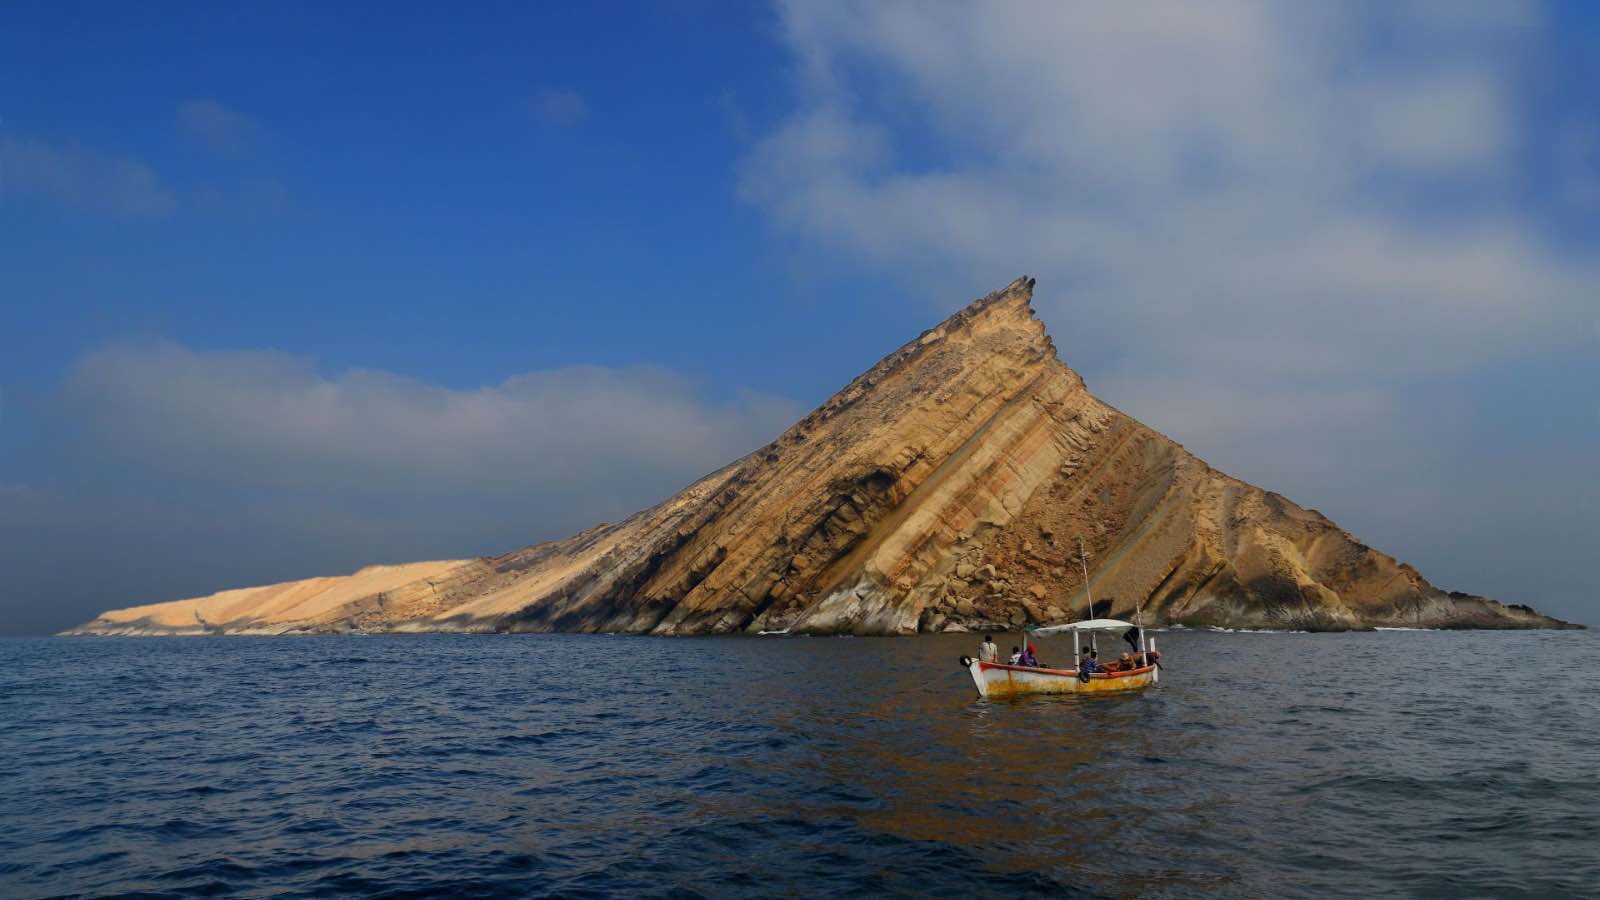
(945, 489)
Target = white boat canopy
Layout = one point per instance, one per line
(1086, 625)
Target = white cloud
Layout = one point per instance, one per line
(180, 472)
(81, 177)
(265, 419)
(1267, 229)
(1233, 185)
(1432, 123)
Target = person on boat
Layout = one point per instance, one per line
(1127, 663)
(1016, 655)
(987, 651)
(1090, 662)
(1028, 659)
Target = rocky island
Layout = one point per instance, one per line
(945, 489)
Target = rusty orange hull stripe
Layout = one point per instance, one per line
(1001, 680)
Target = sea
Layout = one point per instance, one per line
(1400, 763)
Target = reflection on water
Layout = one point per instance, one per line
(1266, 765)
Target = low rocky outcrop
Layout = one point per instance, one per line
(944, 489)
(264, 610)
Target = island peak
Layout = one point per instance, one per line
(944, 489)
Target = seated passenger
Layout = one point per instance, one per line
(1016, 655)
(1028, 659)
(1127, 663)
(1090, 662)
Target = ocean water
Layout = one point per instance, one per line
(1270, 765)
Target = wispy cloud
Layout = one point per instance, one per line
(1262, 227)
(257, 194)
(266, 419)
(82, 178)
(217, 127)
(1578, 155)
(183, 471)
(1208, 190)
(559, 107)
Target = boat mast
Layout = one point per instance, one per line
(1088, 613)
(1083, 561)
(1138, 619)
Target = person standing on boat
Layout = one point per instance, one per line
(987, 651)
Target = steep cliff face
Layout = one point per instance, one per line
(944, 489)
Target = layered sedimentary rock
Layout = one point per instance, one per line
(944, 489)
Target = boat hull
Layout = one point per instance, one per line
(1000, 680)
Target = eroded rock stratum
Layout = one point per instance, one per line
(944, 489)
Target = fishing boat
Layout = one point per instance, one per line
(1137, 669)
(996, 679)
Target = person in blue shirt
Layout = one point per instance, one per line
(1088, 663)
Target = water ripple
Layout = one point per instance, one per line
(1264, 765)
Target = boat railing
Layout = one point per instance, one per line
(1051, 670)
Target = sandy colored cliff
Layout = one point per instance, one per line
(944, 489)
(263, 610)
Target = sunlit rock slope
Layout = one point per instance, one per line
(944, 489)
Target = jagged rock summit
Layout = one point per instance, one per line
(945, 489)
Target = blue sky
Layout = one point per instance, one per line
(290, 289)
